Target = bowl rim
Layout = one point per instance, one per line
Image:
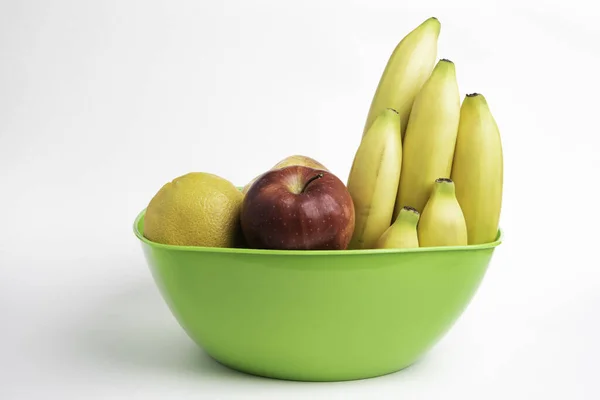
(248, 251)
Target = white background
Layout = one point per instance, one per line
(103, 102)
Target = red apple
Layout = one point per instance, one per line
(298, 208)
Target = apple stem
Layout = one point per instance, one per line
(314, 178)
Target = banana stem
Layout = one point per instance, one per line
(444, 185)
(408, 215)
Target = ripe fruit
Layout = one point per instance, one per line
(299, 160)
(442, 222)
(196, 209)
(408, 67)
(402, 233)
(298, 208)
(291, 160)
(478, 169)
(430, 137)
(374, 177)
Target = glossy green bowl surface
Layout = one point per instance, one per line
(316, 315)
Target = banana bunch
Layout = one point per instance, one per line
(374, 179)
(407, 69)
(402, 234)
(478, 169)
(442, 159)
(430, 137)
(442, 221)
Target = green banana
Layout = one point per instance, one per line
(402, 234)
(374, 178)
(477, 170)
(430, 139)
(408, 67)
(442, 222)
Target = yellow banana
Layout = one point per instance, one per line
(477, 170)
(430, 139)
(442, 222)
(374, 178)
(408, 67)
(402, 234)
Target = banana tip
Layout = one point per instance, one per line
(476, 98)
(432, 20)
(431, 25)
(444, 180)
(411, 209)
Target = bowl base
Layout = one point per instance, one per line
(308, 377)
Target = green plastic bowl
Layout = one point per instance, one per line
(326, 315)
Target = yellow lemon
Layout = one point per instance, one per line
(196, 209)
